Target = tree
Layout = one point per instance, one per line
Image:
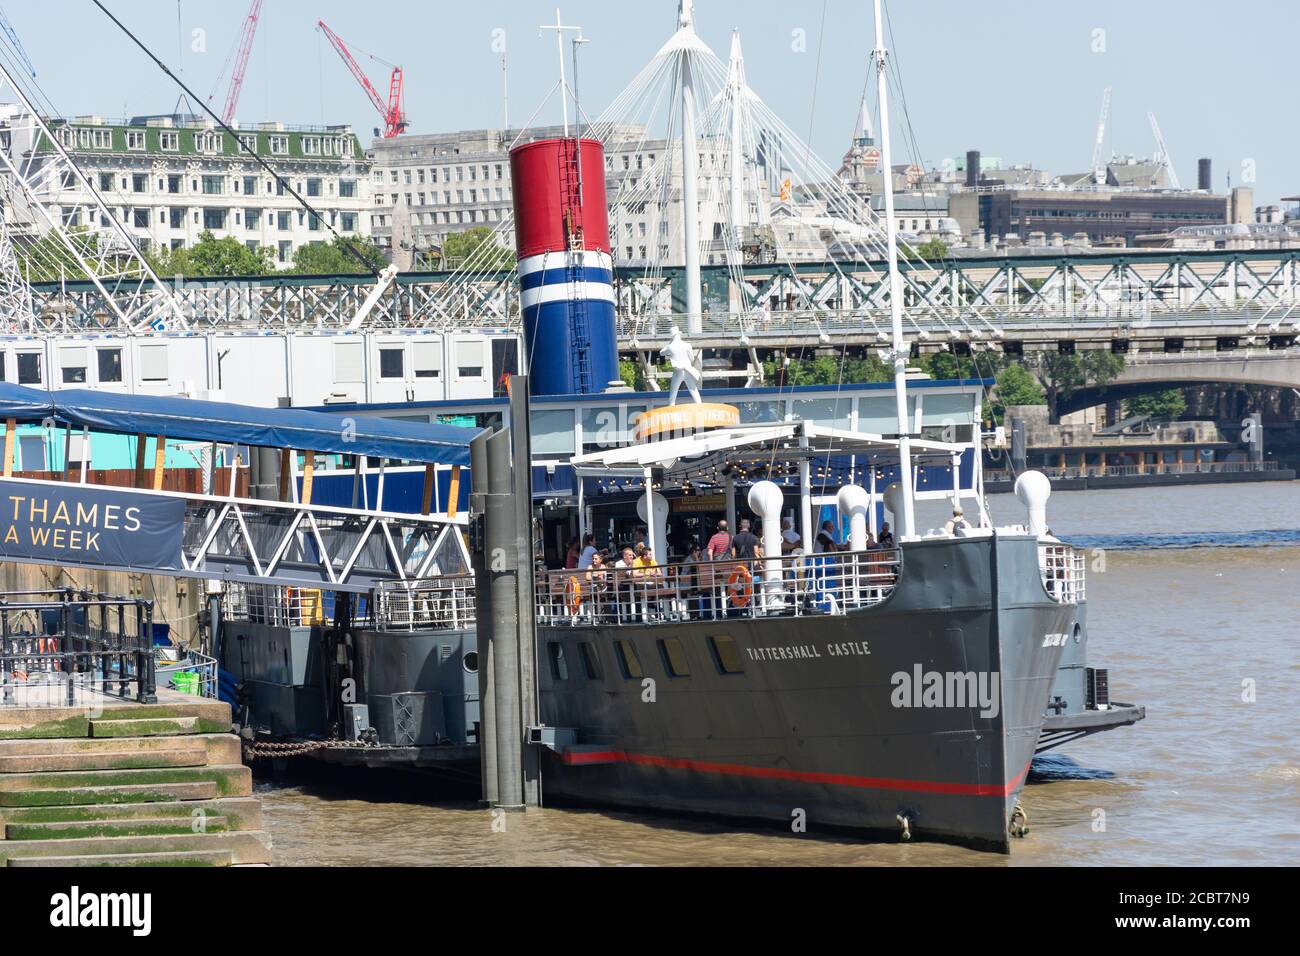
(1062, 375)
(459, 247)
(1015, 386)
(931, 250)
(333, 258)
(211, 256)
(1165, 406)
(826, 370)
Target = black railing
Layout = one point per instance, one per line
(56, 643)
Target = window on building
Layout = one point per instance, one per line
(427, 359)
(105, 182)
(214, 185)
(313, 186)
(249, 141)
(174, 184)
(392, 362)
(153, 363)
(139, 182)
(284, 221)
(29, 368)
(109, 362)
(283, 250)
(209, 141)
(176, 218)
(278, 145)
(140, 218)
(135, 139)
(469, 359)
(171, 142)
(313, 222)
(72, 364)
(311, 145)
(349, 362)
(252, 218)
(214, 219)
(347, 188)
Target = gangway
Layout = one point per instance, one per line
(291, 541)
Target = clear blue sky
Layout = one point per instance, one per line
(1019, 79)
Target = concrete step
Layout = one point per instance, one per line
(130, 826)
(27, 722)
(231, 780)
(240, 813)
(120, 759)
(175, 858)
(221, 748)
(144, 727)
(246, 846)
(133, 793)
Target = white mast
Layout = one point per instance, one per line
(736, 81)
(906, 520)
(690, 170)
(559, 28)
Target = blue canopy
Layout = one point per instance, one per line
(189, 418)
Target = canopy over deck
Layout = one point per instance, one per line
(226, 422)
(689, 458)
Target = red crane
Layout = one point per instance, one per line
(241, 62)
(394, 119)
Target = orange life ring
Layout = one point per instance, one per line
(573, 594)
(740, 586)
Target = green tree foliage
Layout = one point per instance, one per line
(1016, 385)
(1062, 375)
(211, 256)
(1165, 406)
(932, 250)
(826, 370)
(458, 247)
(47, 259)
(333, 258)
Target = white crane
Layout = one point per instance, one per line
(1162, 153)
(1098, 165)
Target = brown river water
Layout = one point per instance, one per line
(1195, 614)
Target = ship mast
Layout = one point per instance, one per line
(690, 169)
(907, 519)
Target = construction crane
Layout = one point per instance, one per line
(1162, 153)
(394, 119)
(1098, 165)
(241, 62)
(16, 43)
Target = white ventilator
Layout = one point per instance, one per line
(854, 503)
(656, 523)
(894, 503)
(766, 501)
(1033, 489)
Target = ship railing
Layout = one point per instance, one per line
(446, 602)
(66, 649)
(274, 604)
(1062, 567)
(833, 583)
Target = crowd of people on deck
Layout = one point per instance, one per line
(630, 578)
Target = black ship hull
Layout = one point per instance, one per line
(919, 714)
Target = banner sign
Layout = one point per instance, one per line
(90, 524)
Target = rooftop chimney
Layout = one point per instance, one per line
(972, 168)
(1203, 175)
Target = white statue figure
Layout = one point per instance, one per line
(682, 358)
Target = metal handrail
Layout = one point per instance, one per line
(1062, 568)
(797, 585)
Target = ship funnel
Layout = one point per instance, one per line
(656, 523)
(854, 502)
(1033, 489)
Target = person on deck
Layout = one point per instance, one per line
(588, 551)
(791, 542)
(719, 545)
(571, 555)
(957, 526)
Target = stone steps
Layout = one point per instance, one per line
(241, 846)
(129, 826)
(174, 858)
(127, 787)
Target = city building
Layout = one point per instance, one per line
(170, 178)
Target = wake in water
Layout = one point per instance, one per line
(1195, 539)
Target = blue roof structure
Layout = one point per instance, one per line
(197, 420)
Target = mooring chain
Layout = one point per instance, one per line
(296, 748)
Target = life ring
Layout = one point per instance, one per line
(740, 586)
(573, 594)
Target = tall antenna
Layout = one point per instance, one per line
(1098, 165)
(559, 28)
(907, 520)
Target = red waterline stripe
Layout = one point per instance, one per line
(802, 776)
